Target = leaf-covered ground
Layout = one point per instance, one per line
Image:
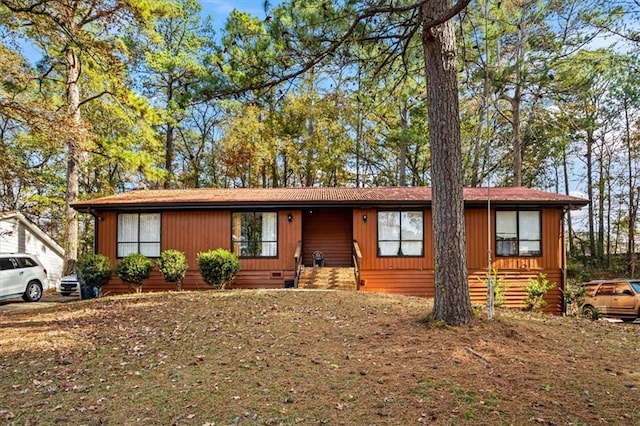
(309, 357)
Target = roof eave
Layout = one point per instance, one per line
(206, 205)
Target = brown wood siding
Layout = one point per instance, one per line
(330, 231)
(194, 232)
(476, 234)
(192, 281)
(366, 234)
(261, 279)
(516, 281)
(414, 276)
(420, 283)
(477, 256)
(107, 231)
(406, 282)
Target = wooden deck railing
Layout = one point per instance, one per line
(297, 257)
(357, 263)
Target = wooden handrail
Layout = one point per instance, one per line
(357, 263)
(297, 258)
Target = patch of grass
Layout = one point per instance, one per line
(289, 357)
(424, 388)
(465, 396)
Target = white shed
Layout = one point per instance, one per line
(19, 235)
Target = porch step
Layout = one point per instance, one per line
(327, 278)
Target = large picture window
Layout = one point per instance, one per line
(255, 234)
(139, 233)
(518, 233)
(400, 233)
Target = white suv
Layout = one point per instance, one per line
(21, 275)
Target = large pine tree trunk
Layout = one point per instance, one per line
(516, 140)
(565, 173)
(602, 197)
(404, 125)
(169, 138)
(452, 301)
(589, 159)
(73, 159)
(633, 203)
(169, 150)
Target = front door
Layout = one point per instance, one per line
(329, 231)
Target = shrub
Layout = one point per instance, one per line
(500, 287)
(94, 270)
(134, 269)
(536, 290)
(574, 295)
(173, 266)
(218, 267)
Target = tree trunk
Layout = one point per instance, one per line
(633, 204)
(169, 139)
(73, 159)
(517, 138)
(565, 172)
(404, 125)
(516, 103)
(168, 165)
(602, 179)
(452, 301)
(589, 159)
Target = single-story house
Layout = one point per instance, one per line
(383, 233)
(19, 235)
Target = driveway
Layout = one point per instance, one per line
(47, 300)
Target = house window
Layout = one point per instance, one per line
(139, 233)
(518, 233)
(255, 234)
(400, 233)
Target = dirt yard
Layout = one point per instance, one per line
(308, 357)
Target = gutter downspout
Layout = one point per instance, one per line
(563, 264)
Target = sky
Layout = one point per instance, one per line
(219, 10)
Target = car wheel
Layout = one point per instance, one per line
(628, 319)
(590, 312)
(33, 293)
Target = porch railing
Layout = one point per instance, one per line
(357, 263)
(297, 257)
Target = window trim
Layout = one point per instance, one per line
(138, 242)
(517, 211)
(277, 234)
(400, 211)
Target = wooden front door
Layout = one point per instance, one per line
(329, 231)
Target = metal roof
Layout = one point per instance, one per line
(202, 198)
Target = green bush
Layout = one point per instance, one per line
(574, 295)
(500, 287)
(134, 269)
(218, 267)
(94, 269)
(173, 266)
(536, 290)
